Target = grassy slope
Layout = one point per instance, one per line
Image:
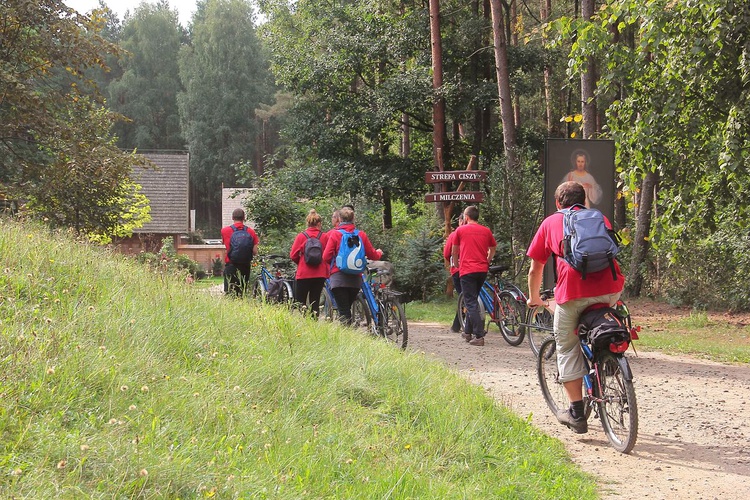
(118, 382)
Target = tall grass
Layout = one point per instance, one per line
(120, 382)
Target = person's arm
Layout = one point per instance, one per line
(536, 273)
(491, 253)
(257, 243)
(295, 252)
(454, 253)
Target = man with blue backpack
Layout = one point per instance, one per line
(584, 248)
(241, 243)
(346, 252)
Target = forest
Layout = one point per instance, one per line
(315, 103)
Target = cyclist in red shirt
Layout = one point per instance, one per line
(573, 294)
(473, 249)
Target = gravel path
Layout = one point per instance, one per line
(694, 418)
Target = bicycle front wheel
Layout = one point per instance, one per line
(510, 316)
(259, 289)
(394, 328)
(286, 294)
(538, 327)
(618, 409)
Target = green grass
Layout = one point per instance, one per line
(440, 310)
(119, 382)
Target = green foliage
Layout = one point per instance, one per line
(226, 79)
(168, 262)
(120, 384)
(422, 274)
(273, 207)
(709, 273)
(146, 93)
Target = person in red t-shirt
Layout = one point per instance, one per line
(453, 268)
(309, 280)
(237, 276)
(573, 294)
(345, 287)
(473, 249)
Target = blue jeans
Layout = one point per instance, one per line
(471, 284)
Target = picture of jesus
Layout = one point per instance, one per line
(580, 173)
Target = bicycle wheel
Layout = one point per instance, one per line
(286, 295)
(259, 291)
(360, 314)
(327, 311)
(618, 409)
(510, 316)
(462, 311)
(549, 380)
(546, 367)
(538, 327)
(394, 328)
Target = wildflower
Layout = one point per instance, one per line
(144, 388)
(143, 473)
(91, 308)
(16, 472)
(85, 447)
(132, 407)
(51, 370)
(407, 447)
(61, 464)
(112, 421)
(123, 388)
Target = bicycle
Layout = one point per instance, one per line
(539, 321)
(329, 309)
(505, 304)
(608, 385)
(383, 313)
(277, 285)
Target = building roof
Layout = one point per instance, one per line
(167, 188)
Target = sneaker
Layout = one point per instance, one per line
(477, 341)
(466, 336)
(577, 425)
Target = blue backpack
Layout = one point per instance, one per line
(588, 245)
(241, 246)
(351, 258)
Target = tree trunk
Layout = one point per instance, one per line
(588, 82)
(503, 83)
(544, 12)
(634, 282)
(438, 105)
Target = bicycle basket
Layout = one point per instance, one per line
(604, 329)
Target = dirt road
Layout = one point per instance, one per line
(694, 416)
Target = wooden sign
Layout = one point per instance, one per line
(470, 196)
(455, 175)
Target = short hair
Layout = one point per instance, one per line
(570, 193)
(472, 212)
(346, 214)
(348, 205)
(238, 214)
(313, 218)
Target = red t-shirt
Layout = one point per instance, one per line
(570, 283)
(226, 235)
(473, 240)
(304, 271)
(448, 250)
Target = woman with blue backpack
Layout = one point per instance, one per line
(312, 271)
(346, 253)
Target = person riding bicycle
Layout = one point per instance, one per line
(573, 294)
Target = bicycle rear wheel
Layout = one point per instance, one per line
(538, 327)
(510, 316)
(286, 294)
(462, 311)
(618, 409)
(394, 327)
(549, 380)
(259, 289)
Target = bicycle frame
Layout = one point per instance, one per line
(372, 303)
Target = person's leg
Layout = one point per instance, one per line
(456, 326)
(244, 280)
(315, 288)
(231, 280)
(302, 290)
(470, 286)
(342, 296)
